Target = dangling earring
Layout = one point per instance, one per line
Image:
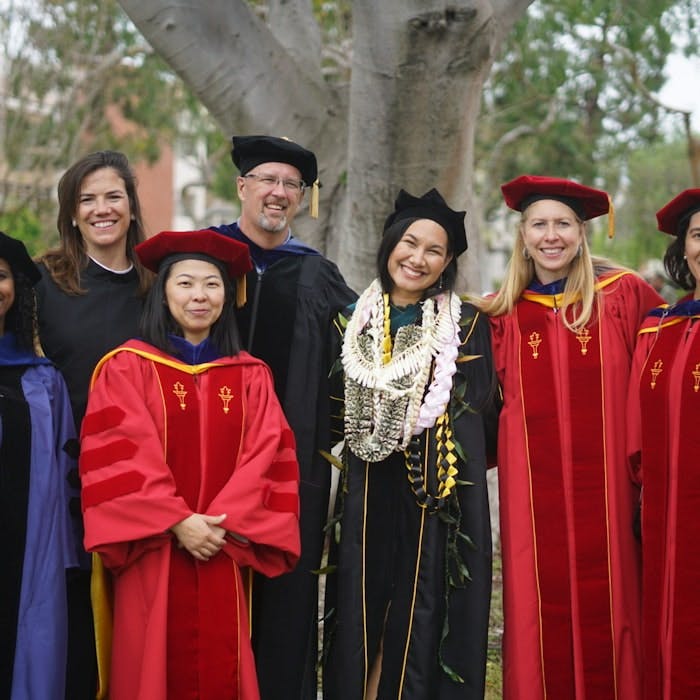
(579, 252)
(526, 253)
(441, 283)
(73, 221)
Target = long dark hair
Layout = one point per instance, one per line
(21, 316)
(675, 263)
(67, 260)
(157, 322)
(390, 240)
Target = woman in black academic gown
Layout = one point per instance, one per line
(89, 301)
(408, 605)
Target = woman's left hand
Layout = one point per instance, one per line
(201, 535)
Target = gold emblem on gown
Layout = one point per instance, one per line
(696, 377)
(656, 370)
(583, 337)
(179, 391)
(534, 343)
(225, 395)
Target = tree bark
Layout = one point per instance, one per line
(408, 121)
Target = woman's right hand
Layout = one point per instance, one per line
(199, 535)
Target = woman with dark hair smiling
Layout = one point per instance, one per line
(89, 301)
(664, 407)
(410, 597)
(189, 475)
(92, 286)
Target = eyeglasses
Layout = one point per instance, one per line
(271, 181)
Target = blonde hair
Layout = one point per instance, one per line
(579, 294)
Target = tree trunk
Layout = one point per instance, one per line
(418, 69)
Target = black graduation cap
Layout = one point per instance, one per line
(16, 255)
(249, 151)
(431, 206)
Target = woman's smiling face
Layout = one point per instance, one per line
(417, 261)
(552, 234)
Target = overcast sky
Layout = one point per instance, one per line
(683, 87)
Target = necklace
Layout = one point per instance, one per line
(385, 386)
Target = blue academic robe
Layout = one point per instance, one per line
(48, 547)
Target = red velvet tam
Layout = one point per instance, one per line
(203, 244)
(675, 216)
(588, 203)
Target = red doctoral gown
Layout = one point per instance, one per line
(664, 408)
(162, 440)
(571, 568)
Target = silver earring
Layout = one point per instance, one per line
(526, 253)
(73, 221)
(579, 252)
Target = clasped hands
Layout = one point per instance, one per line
(201, 535)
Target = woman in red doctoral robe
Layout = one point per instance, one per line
(664, 440)
(563, 332)
(189, 475)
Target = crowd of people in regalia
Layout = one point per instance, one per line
(226, 475)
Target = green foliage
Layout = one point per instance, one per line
(23, 224)
(654, 175)
(571, 91)
(78, 77)
(77, 61)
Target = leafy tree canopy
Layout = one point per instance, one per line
(73, 72)
(572, 93)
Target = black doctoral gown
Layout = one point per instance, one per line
(287, 322)
(394, 558)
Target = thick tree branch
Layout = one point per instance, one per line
(233, 63)
(294, 26)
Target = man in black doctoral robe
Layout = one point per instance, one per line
(293, 293)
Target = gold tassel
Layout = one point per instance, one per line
(313, 204)
(386, 342)
(240, 291)
(611, 218)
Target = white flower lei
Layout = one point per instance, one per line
(393, 393)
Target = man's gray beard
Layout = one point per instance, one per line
(266, 225)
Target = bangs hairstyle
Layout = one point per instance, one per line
(21, 317)
(393, 234)
(65, 262)
(157, 322)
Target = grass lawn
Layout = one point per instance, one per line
(493, 661)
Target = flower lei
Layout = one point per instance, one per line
(385, 398)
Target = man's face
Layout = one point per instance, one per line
(270, 196)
